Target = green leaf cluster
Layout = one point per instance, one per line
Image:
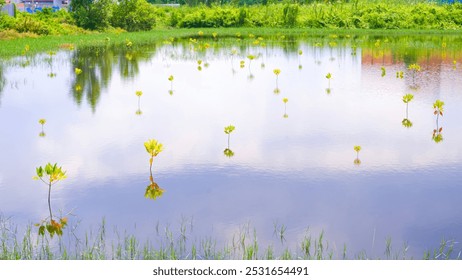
(408, 98)
(229, 129)
(439, 107)
(153, 147)
(50, 173)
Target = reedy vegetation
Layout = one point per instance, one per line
(137, 15)
(174, 244)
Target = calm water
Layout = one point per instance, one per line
(293, 163)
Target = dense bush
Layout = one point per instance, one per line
(134, 15)
(137, 15)
(92, 14)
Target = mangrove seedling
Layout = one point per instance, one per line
(399, 74)
(170, 78)
(357, 150)
(438, 107)
(50, 175)
(250, 57)
(328, 77)
(77, 71)
(277, 72)
(139, 93)
(384, 72)
(153, 147)
(228, 130)
(242, 63)
(406, 99)
(285, 100)
(42, 122)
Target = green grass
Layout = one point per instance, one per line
(168, 244)
(15, 47)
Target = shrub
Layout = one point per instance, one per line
(92, 14)
(134, 15)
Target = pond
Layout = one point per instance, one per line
(289, 167)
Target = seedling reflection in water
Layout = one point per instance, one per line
(153, 147)
(357, 150)
(300, 53)
(406, 99)
(50, 175)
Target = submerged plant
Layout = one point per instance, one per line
(50, 175)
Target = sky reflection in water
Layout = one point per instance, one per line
(296, 170)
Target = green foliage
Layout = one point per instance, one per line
(290, 13)
(438, 107)
(153, 147)
(153, 191)
(50, 174)
(408, 98)
(229, 129)
(92, 14)
(406, 123)
(357, 148)
(134, 15)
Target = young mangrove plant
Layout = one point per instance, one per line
(329, 77)
(357, 150)
(399, 74)
(139, 93)
(77, 71)
(250, 57)
(438, 108)
(153, 148)
(228, 130)
(285, 100)
(42, 122)
(406, 99)
(277, 72)
(50, 175)
(384, 71)
(170, 78)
